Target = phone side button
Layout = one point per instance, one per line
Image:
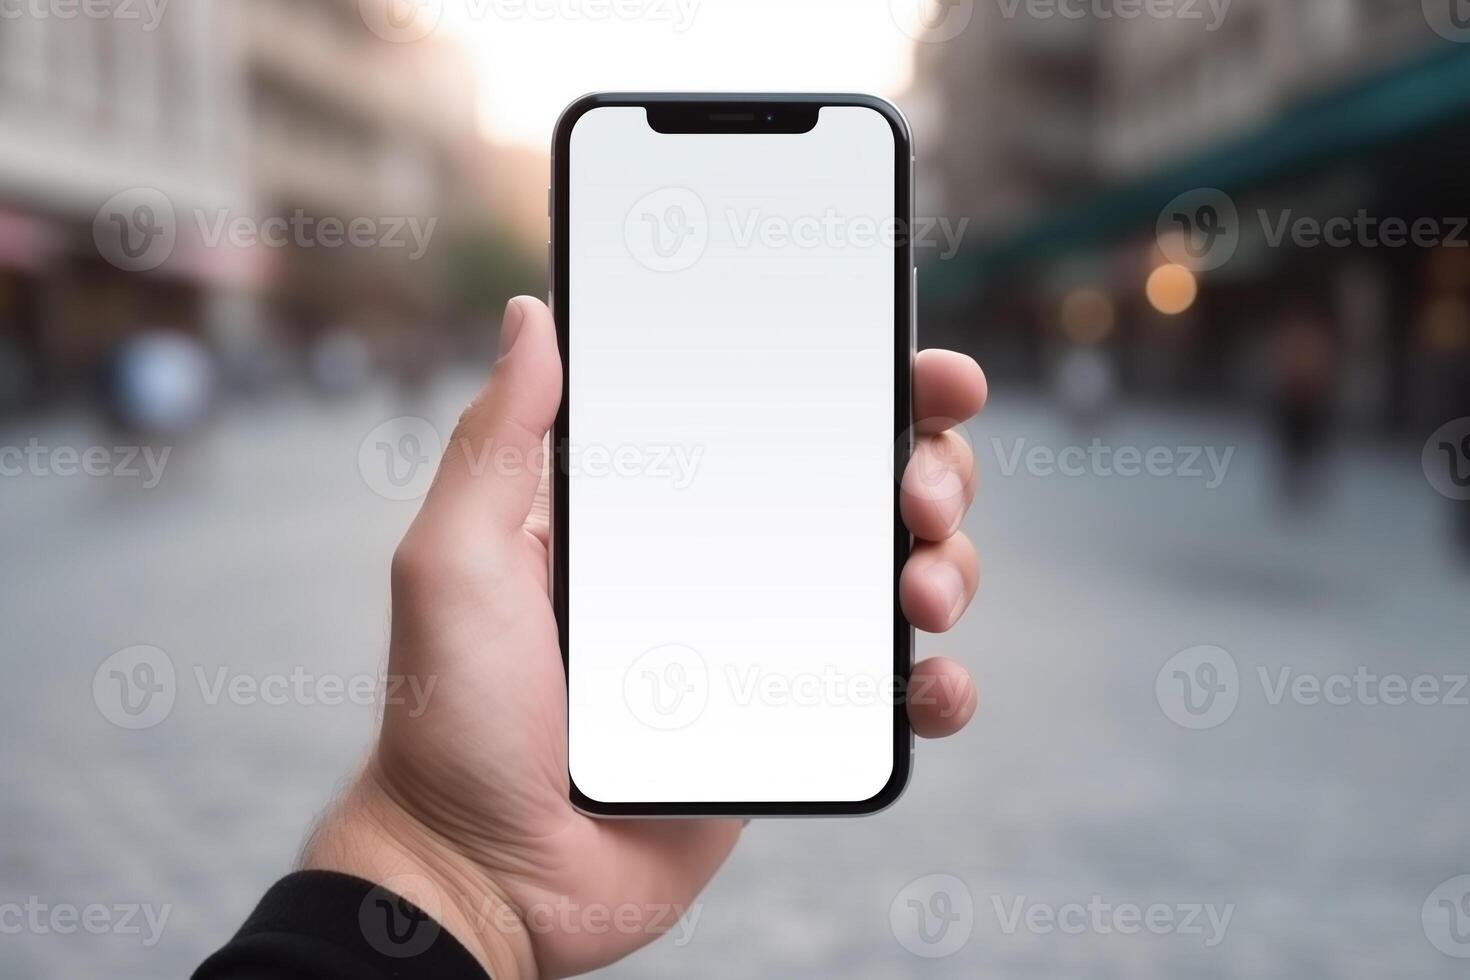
(914, 314)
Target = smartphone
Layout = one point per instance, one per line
(733, 285)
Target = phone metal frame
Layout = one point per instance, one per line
(782, 106)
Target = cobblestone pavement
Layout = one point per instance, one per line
(1083, 831)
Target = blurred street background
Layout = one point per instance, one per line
(1215, 258)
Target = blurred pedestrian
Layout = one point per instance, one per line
(1304, 369)
(1443, 381)
(1085, 384)
(339, 362)
(412, 359)
(159, 383)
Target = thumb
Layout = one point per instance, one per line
(494, 460)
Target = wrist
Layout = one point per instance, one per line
(369, 835)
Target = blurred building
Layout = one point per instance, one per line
(90, 108)
(512, 179)
(344, 124)
(1066, 137)
(1168, 87)
(1004, 118)
(1020, 113)
(222, 116)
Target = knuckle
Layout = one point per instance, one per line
(422, 564)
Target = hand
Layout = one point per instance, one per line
(470, 796)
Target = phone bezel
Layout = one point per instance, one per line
(712, 105)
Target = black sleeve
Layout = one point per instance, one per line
(316, 925)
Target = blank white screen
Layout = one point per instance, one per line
(730, 502)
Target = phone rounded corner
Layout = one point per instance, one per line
(898, 784)
(561, 132)
(903, 134)
(585, 804)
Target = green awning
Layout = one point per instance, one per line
(1368, 115)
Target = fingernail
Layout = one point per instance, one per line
(510, 326)
(951, 585)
